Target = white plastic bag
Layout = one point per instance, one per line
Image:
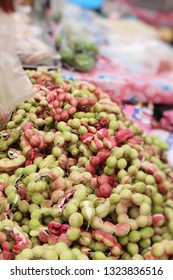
(15, 86)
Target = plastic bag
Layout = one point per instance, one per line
(15, 86)
(32, 45)
(32, 51)
(76, 43)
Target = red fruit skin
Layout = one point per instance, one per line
(28, 125)
(6, 255)
(103, 178)
(162, 188)
(22, 191)
(87, 138)
(158, 177)
(105, 190)
(98, 193)
(91, 169)
(63, 238)
(104, 122)
(98, 143)
(35, 141)
(148, 167)
(103, 132)
(103, 156)
(123, 136)
(54, 227)
(102, 236)
(110, 142)
(94, 161)
(5, 246)
(57, 228)
(94, 183)
(158, 220)
(122, 227)
(29, 133)
(43, 236)
(135, 140)
(52, 239)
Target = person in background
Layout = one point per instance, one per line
(7, 30)
(7, 6)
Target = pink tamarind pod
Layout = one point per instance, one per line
(103, 132)
(29, 133)
(22, 191)
(91, 169)
(5, 246)
(110, 142)
(135, 140)
(87, 138)
(21, 242)
(109, 227)
(123, 136)
(103, 178)
(104, 237)
(94, 161)
(148, 167)
(103, 155)
(56, 103)
(116, 249)
(158, 219)
(63, 238)
(122, 229)
(52, 239)
(94, 182)
(6, 255)
(64, 115)
(43, 236)
(159, 177)
(35, 141)
(27, 125)
(61, 97)
(57, 228)
(98, 143)
(105, 190)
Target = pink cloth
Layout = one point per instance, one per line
(120, 81)
(167, 120)
(153, 17)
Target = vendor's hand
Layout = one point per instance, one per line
(7, 5)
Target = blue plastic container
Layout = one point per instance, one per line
(91, 4)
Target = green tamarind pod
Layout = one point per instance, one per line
(98, 255)
(132, 248)
(88, 213)
(76, 220)
(60, 247)
(50, 254)
(102, 210)
(67, 255)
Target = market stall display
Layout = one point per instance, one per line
(84, 175)
(80, 181)
(133, 63)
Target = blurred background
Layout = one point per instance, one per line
(123, 46)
